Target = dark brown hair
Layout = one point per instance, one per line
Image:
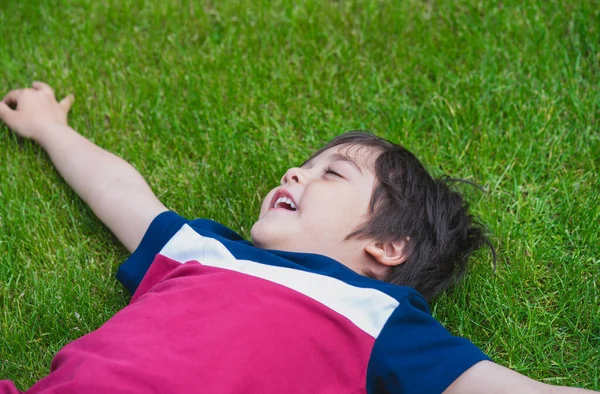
(408, 202)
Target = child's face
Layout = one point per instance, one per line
(318, 205)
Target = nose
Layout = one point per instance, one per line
(294, 175)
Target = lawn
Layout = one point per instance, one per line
(211, 101)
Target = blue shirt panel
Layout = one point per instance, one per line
(414, 353)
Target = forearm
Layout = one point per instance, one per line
(86, 167)
(114, 189)
(488, 377)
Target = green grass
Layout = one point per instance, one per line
(212, 101)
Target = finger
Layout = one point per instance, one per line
(44, 87)
(67, 102)
(6, 114)
(12, 97)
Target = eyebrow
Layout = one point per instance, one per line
(339, 157)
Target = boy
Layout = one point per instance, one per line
(308, 309)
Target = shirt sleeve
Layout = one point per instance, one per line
(414, 353)
(160, 231)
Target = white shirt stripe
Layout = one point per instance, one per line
(367, 308)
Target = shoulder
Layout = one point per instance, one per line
(415, 353)
(170, 231)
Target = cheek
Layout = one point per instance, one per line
(338, 213)
(350, 213)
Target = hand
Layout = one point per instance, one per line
(29, 112)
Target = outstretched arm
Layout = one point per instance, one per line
(487, 377)
(115, 191)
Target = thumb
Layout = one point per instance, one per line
(7, 114)
(67, 102)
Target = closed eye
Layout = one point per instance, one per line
(330, 170)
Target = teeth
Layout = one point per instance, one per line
(284, 200)
(291, 203)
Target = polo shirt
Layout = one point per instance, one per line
(211, 313)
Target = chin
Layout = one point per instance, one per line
(262, 236)
(266, 236)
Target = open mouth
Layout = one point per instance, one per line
(285, 203)
(283, 199)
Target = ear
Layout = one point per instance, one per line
(389, 254)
